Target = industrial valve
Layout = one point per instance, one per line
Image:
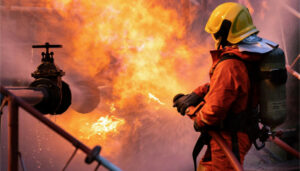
(48, 79)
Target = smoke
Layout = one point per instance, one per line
(153, 49)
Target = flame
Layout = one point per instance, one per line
(105, 126)
(112, 108)
(133, 47)
(142, 40)
(93, 129)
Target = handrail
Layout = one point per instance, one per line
(14, 102)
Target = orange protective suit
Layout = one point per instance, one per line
(228, 91)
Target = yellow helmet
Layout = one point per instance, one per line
(239, 17)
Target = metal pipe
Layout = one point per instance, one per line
(293, 72)
(30, 95)
(290, 9)
(32, 111)
(285, 146)
(13, 134)
(295, 61)
(221, 142)
(108, 164)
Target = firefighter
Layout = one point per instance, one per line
(233, 90)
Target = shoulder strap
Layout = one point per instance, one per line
(203, 139)
(223, 58)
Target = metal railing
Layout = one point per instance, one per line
(14, 103)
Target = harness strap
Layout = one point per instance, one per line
(224, 57)
(203, 139)
(235, 145)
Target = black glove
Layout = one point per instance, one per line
(182, 102)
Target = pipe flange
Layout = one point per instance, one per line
(92, 156)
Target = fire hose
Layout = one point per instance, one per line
(219, 139)
(224, 146)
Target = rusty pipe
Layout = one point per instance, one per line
(13, 134)
(285, 146)
(293, 72)
(221, 142)
(32, 96)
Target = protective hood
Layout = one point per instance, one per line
(217, 54)
(256, 44)
(250, 49)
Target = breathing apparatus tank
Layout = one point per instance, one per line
(272, 78)
(272, 88)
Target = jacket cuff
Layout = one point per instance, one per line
(202, 90)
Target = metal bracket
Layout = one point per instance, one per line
(93, 155)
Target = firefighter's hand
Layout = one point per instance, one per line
(182, 102)
(178, 102)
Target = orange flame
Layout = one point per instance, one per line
(104, 126)
(92, 130)
(112, 108)
(133, 47)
